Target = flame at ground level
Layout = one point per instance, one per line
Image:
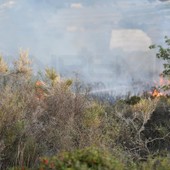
(157, 93)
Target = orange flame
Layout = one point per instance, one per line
(39, 90)
(156, 93)
(39, 83)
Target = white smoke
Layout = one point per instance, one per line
(85, 36)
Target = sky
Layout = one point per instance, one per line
(103, 40)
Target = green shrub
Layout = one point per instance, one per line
(156, 164)
(94, 159)
(133, 100)
(86, 159)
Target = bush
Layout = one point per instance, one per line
(143, 127)
(42, 118)
(50, 115)
(96, 159)
(156, 164)
(86, 159)
(133, 100)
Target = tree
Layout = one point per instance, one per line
(22, 65)
(164, 54)
(3, 65)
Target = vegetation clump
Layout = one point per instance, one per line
(50, 122)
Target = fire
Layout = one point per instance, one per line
(40, 94)
(161, 81)
(157, 93)
(157, 90)
(39, 83)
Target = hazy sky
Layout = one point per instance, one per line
(102, 29)
(75, 24)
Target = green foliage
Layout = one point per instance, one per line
(164, 54)
(133, 100)
(92, 115)
(51, 74)
(68, 83)
(156, 164)
(86, 159)
(95, 159)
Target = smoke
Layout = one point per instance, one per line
(103, 41)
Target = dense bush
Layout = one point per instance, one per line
(95, 159)
(86, 159)
(44, 116)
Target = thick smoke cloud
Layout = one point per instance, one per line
(102, 40)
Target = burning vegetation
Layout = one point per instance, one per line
(61, 119)
(159, 89)
(157, 93)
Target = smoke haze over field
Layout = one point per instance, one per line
(103, 40)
